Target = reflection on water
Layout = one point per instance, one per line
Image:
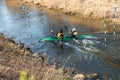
(28, 26)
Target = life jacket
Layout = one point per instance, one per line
(74, 34)
(59, 35)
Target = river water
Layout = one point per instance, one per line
(91, 55)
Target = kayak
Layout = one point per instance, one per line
(66, 38)
(54, 39)
(82, 36)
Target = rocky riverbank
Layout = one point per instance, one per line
(19, 63)
(15, 60)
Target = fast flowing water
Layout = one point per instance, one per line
(91, 55)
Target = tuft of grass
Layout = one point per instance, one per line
(1, 48)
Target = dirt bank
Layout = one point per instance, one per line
(86, 8)
(15, 60)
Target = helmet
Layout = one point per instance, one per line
(74, 29)
(61, 30)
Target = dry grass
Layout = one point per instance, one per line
(88, 8)
(15, 58)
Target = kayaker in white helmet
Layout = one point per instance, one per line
(74, 33)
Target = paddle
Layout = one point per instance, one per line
(52, 32)
(67, 30)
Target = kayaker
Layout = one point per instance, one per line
(74, 33)
(60, 34)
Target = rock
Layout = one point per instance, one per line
(36, 55)
(37, 3)
(79, 77)
(27, 48)
(93, 76)
(9, 39)
(42, 58)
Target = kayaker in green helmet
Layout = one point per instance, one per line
(74, 33)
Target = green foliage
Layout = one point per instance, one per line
(23, 75)
(32, 78)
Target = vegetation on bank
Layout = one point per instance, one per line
(18, 63)
(86, 8)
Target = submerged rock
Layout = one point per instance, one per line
(93, 76)
(79, 77)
